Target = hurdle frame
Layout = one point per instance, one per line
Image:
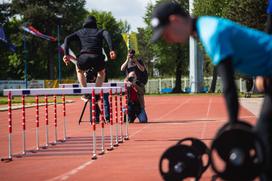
(52, 92)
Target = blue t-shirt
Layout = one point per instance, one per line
(250, 50)
(269, 7)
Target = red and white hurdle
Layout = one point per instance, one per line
(65, 91)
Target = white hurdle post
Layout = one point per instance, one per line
(116, 118)
(102, 123)
(93, 125)
(111, 122)
(126, 112)
(121, 116)
(9, 158)
(23, 125)
(64, 117)
(46, 122)
(37, 122)
(55, 119)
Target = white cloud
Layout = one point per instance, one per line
(132, 11)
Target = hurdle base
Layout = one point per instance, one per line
(116, 145)
(94, 157)
(126, 138)
(19, 155)
(120, 141)
(34, 151)
(6, 160)
(44, 147)
(110, 149)
(102, 153)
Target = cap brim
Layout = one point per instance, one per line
(157, 34)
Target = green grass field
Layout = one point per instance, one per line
(31, 99)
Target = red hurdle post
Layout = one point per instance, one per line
(64, 117)
(10, 125)
(126, 111)
(46, 121)
(37, 122)
(23, 124)
(55, 119)
(93, 125)
(102, 122)
(9, 129)
(116, 118)
(111, 122)
(121, 116)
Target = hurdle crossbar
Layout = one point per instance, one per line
(105, 84)
(59, 91)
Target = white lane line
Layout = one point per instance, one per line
(206, 123)
(209, 107)
(173, 110)
(72, 172)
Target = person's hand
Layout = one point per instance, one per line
(66, 59)
(260, 84)
(112, 55)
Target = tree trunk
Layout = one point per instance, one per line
(214, 80)
(177, 88)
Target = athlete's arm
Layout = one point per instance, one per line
(67, 41)
(225, 70)
(107, 38)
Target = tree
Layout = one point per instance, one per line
(42, 55)
(145, 49)
(168, 57)
(248, 12)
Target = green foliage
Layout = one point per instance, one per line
(247, 12)
(167, 56)
(41, 55)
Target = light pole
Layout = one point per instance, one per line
(25, 59)
(59, 17)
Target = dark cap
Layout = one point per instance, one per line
(90, 22)
(160, 17)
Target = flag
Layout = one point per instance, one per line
(30, 29)
(2, 35)
(4, 39)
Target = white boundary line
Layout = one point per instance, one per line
(173, 110)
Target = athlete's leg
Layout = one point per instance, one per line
(264, 124)
(81, 77)
(225, 70)
(100, 78)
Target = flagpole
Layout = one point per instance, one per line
(25, 58)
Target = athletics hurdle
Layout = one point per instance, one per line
(48, 92)
(123, 115)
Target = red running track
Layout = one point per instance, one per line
(171, 118)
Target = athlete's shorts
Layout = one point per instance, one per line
(87, 61)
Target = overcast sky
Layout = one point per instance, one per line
(132, 11)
